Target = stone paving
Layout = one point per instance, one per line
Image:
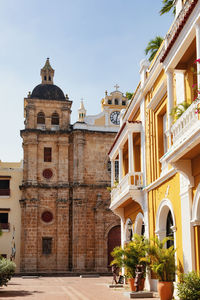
(61, 288)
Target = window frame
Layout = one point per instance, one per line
(47, 248)
(47, 157)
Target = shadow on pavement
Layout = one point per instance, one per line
(21, 293)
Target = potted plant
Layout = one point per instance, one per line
(161, 261)
(129, 257)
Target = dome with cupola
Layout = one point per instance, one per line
(47, 90)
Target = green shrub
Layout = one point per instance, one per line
(7, 270)
(189, 286)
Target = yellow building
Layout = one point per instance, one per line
(10, 212)
(158, 187)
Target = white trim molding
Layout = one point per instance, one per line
(196, 208)
(161, 217)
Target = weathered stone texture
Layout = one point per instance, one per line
(76, 195)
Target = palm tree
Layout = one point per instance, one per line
(153, 46)
(178, 110)
(167, 6)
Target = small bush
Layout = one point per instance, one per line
(189, 286)
(7, 270)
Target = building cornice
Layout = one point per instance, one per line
(160, 180)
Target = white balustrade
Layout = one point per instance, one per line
(130, 181)
(186, 123)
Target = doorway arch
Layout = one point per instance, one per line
(114, 240)
(165, 221)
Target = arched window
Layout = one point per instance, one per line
(40, 118)
(55, 119)
(169, 231)
(143, 229)
(116, 102)
(49, 78)
(109, 101)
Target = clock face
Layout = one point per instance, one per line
(114, 117)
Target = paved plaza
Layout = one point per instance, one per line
(61, 288)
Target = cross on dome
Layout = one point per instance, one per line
(116, 86)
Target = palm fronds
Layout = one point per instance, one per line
(167, 6)
(153, 46)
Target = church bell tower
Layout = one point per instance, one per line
(45, 187)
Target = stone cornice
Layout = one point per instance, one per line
(63, 186)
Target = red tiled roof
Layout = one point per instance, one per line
(179, 28)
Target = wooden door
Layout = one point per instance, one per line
(114, 240)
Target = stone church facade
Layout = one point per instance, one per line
(66, 223)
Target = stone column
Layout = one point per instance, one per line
(197, 27)
(187, 228)
(120, 213)
(65, 119)
(120, 164)
(30, 235)
(131, 167)
(170, 98)
(62, 234)
(112, 172)
(79, 142)
(63, 160)
(32, 155)
(30, 116)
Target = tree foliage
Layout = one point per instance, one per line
(153, 47)
(7, 270)
(129, 95)
(168, 5)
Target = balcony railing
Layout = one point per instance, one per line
(5, 226)
(130, 181)
(4, 192)
(55, 127)
(185, 124)
(41, 126)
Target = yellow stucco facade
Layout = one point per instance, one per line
(159, 151)
(10, 212)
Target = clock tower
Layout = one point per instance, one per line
(109, 117)
(112, 105)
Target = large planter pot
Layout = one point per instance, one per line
(131, 282)
(165, 290)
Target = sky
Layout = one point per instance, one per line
(92, 45)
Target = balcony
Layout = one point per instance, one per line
(55, 127)
(129, 187)
(41, 126)
(5, 226)
(4, 192)
(185, 134)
